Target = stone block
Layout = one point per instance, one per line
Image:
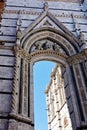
(6, 52)
(5, 100)
(3, 124)
(6, 72)
(8, 61)
(6, 85)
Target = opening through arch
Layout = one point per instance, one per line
(48, 78)
(42, 72)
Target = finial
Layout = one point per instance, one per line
(19, 21)
(83, 41)
(82, 38)
(76, 25)
(46, 6)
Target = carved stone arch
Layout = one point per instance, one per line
(66, 41)
(70, 59)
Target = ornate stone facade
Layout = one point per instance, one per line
(57, 109)
(34, 31)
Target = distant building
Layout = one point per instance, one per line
(58, 114)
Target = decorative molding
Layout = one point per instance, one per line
(28, 57)
(77, 58)
(21, 118)
(5, 47)
(21, 12)
(14, 93)
(22, 53)
(38, 13)
(62, 34)
(71, 1)
(15, 88)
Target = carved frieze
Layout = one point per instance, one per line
(28, 56)
(39, 48)
(46, 45)
(38, 13)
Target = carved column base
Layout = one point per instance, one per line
(20, 122)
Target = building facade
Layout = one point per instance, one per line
(31, 31)
(57, 109)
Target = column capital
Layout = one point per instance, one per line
(77, 58)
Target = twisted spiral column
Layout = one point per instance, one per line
(16, 81)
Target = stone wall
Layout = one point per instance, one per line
(29, 12)
(71, 14)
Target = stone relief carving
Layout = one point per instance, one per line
(82, 38)
(46, 45)
(83, 43)
(18, 26)
(76, 25)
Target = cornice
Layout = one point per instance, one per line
(38, 13)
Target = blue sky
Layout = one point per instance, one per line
(42, 72)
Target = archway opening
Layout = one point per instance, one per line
(42, 72)
(43, 111)
(51, 45)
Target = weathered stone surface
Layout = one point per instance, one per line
(8, 61)
(20, 19)
(3, 124)
(5, 100)
(6, 72)
(6, 85)
(6, 52)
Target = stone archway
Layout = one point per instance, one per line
(48, 44)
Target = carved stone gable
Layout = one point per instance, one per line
(47, 19)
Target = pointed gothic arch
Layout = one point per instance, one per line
(40, 43)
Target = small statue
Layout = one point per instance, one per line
(19, 21)
(18, 33)
(83, 43)
(76, 25)
(55, 47)
(82, 39)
